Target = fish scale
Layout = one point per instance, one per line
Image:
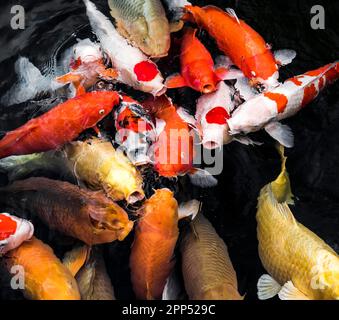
(207, 269)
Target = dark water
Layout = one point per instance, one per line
(313, 163)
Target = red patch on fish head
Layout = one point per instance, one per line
(280, 99)
(146, 71)
(217, 115)
(75, 64)
(310, 93)
(7, 226)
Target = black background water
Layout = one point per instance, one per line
(313, 163)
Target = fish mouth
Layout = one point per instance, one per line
(135, 196)
(208, 88)
(211, 145)
(160, 92)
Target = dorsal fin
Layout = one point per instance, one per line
(232, 13)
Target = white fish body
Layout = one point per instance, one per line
(215, 133)
(124, 56)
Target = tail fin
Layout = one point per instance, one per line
(281, 187)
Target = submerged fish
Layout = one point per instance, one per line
(144, 23)
(45, 277)
(60, 125)
(100, 166)
(154, 242)
(135, 130)
(267, 109)
(13, 232)
(301, 266)
(243, 45)
(135, 68)
(197, 66)
(207, 269)
(86, 66)
(83, 214)
(212, 113)
(88, 267)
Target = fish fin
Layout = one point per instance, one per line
(246, 141)
(290, 292)
(284, 57)
(75, 259)
(202, 178)
(267, 287)
(244, 88)
(232, 13)
(189, 209)
(282, 133)
(159, 126)
(109, 74)
(175, 81)
(172, 288)
(80, 90)
(187, 117)
(176, 26)
(281, 187)
(69, 78)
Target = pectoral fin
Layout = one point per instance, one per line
(175, 81)
(267, 287)
(284, 57)
(189, 209)
(282, 133)
(75, 259)
(290, 292)
(202, 178)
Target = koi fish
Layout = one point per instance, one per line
(176, 12)
(135, 130)
(88, 268)
(46, 278)
(301, 266)
(212, 113)
(86, 66)
(30, 83)
(13, 232)
(197, 66)
(143, 23)
(134, 67)
(82, 214)
(243, 45)
(101, 167)
(207, 269)
(267, 109)
(60, 125)
(154, 242)
(173, 152)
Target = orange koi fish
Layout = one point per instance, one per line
(173, 152)
(197, 66)
(243, 45)
(60, 125)
(267, 109)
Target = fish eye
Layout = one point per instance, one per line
(102, 111)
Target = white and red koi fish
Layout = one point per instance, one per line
(13, 232)
(266, 109)
(133, 66)
(135, 130)
(213, 112)
(86, 66)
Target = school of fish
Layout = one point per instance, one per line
(79, 169)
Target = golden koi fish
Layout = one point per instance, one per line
(301, 266)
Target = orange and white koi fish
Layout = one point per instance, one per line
(212, 114)
(135, 130)
(243, 45)
(13, 232)
(267, 109)
(197, 66)
(86, 67)
(133, 66)
(173, 152)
